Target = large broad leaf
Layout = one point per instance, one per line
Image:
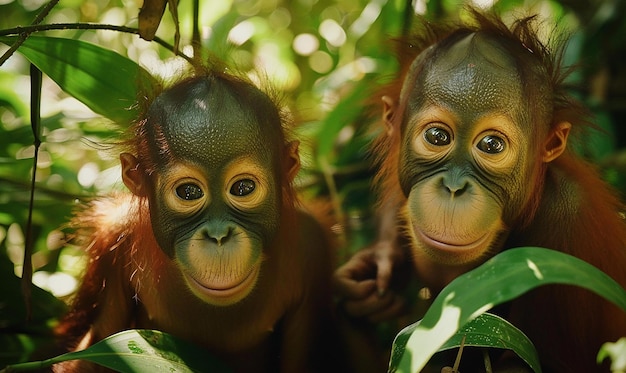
(134, 351)
(502, 278)
(486, 330)
(105, 81)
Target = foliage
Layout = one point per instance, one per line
(78, 67)
(324, 56)
(616, 352)
(456, 318)
(502, 278)
(21, 338)
(491, 331)
(138, 351)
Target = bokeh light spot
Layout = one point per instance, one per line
(305, 44)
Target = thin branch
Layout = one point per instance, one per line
(35, 95)
(173, 7)
(22, 36)
(57, 195)
(44, 12)
(27, 30)
(196, 42)
(35, 121)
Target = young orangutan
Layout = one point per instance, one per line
(473, 162)
(211, 244)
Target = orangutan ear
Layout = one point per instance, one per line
(132, 175)
(292, 157)
(556, 143)
(389, 110)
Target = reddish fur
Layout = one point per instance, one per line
(570, 209)
(126, 262)
(129, 277)
(569, 324)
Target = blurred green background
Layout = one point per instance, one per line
(325, 57)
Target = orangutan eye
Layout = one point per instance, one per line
(242, 187)
(491, 144)
(437, 136)
(189, 192)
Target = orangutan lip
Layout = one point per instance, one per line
(440, 245)
(227, 292)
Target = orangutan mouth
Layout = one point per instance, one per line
(227, 291)
(452, 247)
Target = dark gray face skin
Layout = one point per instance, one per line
(215, 200)
(464, 154)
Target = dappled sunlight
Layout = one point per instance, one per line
(305, 44)
(427, 341)
(325, 61)
(481, 310)
(533, 267)
(332, 32)
(241, 33)
(58, 283)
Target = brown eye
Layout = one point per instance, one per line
(242, 187)
(437, 136)
(189, 192)
(491, 144)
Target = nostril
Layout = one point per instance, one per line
(455, 188)
(220, 236)
(457, 191)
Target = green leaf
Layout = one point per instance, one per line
(343, 114)
(103, 80)
(489, 331)
(616, 352)
(219, 32)
(500, 279)
(133, 351)
(492, 331)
